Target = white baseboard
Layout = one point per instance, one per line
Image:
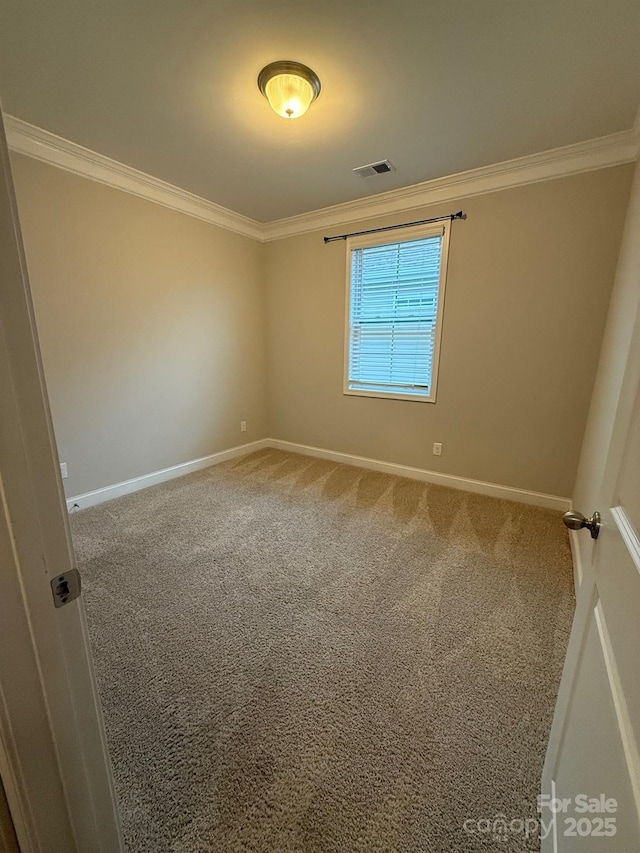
(128, 486)
(451, 480)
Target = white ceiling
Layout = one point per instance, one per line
(437, 86)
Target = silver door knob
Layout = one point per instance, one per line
(576, 521)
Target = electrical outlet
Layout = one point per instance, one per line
(243, 426)
(437, 448)
(63, 470)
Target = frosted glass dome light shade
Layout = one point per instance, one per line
(290, 87)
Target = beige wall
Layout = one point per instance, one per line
(159, 336)
(150, 323)
(530, 276)
(623, 319)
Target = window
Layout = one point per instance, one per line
(395, 297)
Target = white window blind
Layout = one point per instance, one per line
(393, 317)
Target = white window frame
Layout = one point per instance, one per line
(367, 240)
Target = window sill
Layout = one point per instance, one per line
(386, 395)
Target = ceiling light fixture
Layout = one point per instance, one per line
(290, 87)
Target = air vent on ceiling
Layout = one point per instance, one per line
(371, 169)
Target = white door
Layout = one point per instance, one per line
(53, 761)
(591, 781)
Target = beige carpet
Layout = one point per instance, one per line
(296, 655)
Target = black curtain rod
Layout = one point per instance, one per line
(459, 215)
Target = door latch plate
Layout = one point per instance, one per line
(66, 587)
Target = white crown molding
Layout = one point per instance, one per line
(601, 153)
(25, 138)
(612, 150)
